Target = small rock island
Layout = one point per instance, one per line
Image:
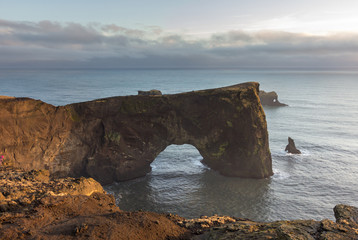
(270, 99)
(291, 147)
(117, 138)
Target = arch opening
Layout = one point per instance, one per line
(177, 177)
(178, 160)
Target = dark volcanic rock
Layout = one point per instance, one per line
(291, 147)
(117, 138)
(346, 215)
(270, 99)
(152, 92)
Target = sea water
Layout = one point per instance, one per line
(321, 116)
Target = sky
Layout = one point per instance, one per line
(179, 34)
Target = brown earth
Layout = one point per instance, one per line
(32, 206)
(86, 217)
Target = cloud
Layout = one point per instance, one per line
(49, 43)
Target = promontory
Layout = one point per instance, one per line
(117, 138)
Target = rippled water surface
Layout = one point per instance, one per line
(322, 118)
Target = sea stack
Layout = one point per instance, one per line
(291, 147)
(270, 99)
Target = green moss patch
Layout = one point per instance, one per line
(222, 150)
(73, 114)
(113, 137)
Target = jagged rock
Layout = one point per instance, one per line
(345, 214)
(20, 188)
(285, 230)
(116, 139)
(64, 209)
(291, 147)
(205, 222)
(152, 92)
(270, 99)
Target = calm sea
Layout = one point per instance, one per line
(322, 118)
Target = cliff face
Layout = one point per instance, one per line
(117, 138)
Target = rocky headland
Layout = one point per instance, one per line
(116, 139)
(35, 206)
(270, 99)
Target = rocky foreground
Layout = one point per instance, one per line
(34, 206)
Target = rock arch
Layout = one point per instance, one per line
(116, 139)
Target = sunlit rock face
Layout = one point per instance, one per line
(116, 139)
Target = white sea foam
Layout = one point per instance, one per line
(280, 175)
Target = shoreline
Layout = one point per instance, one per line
(33, 204)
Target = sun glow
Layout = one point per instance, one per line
(317, 24)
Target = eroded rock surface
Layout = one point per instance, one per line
(291, 147)
(287, 230)
(32, 206)
(270, 99)
(19, 189)
(117, 138)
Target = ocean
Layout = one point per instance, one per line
(321, 116)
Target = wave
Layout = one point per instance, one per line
(280, 175)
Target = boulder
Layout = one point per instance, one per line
(345, 214)
(291, 147)
(20, 188)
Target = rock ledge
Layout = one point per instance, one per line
(33, 206)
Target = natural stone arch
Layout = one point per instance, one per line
(270, 99)
(226, 125)
(117, 138)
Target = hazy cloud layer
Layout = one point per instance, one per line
(52, 44)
